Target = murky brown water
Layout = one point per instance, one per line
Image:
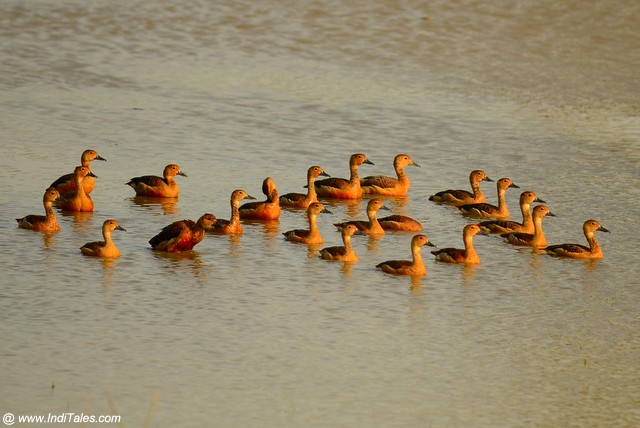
(256, 332)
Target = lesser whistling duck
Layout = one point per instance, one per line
(461, 197)
(535, 239)
(104, 248)
(300, 200)
(342, 188)
(577, 251)
(77, 200)
(66, 183)
(182, 235)
(389, 186)
(233, 225)
(484, 210)
(370, 227)
(408, 267)
(263, 210)
(312, 235)
(158, 187)
(507, 226)
(400, 222)
(467, 255)
(343, 253)
(43, 223)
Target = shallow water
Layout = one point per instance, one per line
(255, 331)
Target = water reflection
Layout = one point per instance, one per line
(352, 206)
(168, 205)
(80, 221)
(48, 239)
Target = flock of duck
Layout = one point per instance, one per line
(71, 193)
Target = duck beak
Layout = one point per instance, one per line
(487, 179)
(367, 161)
(182, 174)
(326, 211)
(514, 186)
(540, 201)
(551, 214)
(249, 197)
(121, 228)
(384, 207)
(324, 174)
(91, 174)
(414, 164)
(602, 229)
(98, 157)
(429, 243)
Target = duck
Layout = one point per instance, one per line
(484, 210)
(415, 266)
(342, 188)
(106, 248)
(66, 183)
(461, 197)
(182, 235)
(577, 251)
(389, 186)
(300, 200)
(507, 226)
(43, 223)
(372, 226)
(535, 239)
(77, 200)
(233, 225)
(158, 187)
(467, 255)
(263, 210)
(343, 253)
(400, 223)
(312, 235)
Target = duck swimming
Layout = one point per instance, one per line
(507, 226)
(233, 225)
(408, 267)
(182, 235)
(158, 187)
(343, 253)
(342, 188)
(106, 248)
(264, 210)
(389, 186)
(66, 183)
(484, 210)
(370, 227)
(467, 255)
(300, 200)
(577, 251)
(43, 223)
(77, 200)
(400, 223)
(312, 235)
(461, 197)
(535, 239)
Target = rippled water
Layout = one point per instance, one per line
(256, 331)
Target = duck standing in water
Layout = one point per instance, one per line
(263, 210)
(342, 188)
(389, 186)
(312, 235)
(408, 267)
(66, 183)
(461, 197)
(106, 248)
(182, 235)
(577, 251)
(300, 200)
(43, 223)
(158, 187)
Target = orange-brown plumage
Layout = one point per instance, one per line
(66, 183)
(182, 235)
(460, 197)
(342, 188)
(535, 239)
(390, 186)
(507, 226)
(268, 209)
(345, 252)
(467, 255)
(415, 266)
(43, 223)
(484, 210)
(233, 225)
(372, 226)
(104, 248)
(577, 251)
(158, 187)
(311, 235)
(77, 200)
(301, 200)
(400, 222)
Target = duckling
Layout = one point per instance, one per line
(300, 200)
(400, 222)
(389, 186)
(158, 187)
(484, 210)
(233, 225)
(408, 267)
(371, 227)
(342, 188)
(535, 239)
(66, 183)
(311, 236)
(577, 251)
(457, 255)
(344, 253)
(182, 235)
(77, 200)
(461, 197)
(264, 210)
(506, 226)
(43, 223)
(104, 248)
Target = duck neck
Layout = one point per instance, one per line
(313, 227)
(235, 213)
(593, 244)
(502, 203)
(49, 213)
(538, 235)
(417, 256)
(527, 220)
(477, 193)
(354, 178)
(347, 244)
(79, 187)
(469, 251)
(107, 238)
(374, 224)
(311, 189)
(402, 176)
